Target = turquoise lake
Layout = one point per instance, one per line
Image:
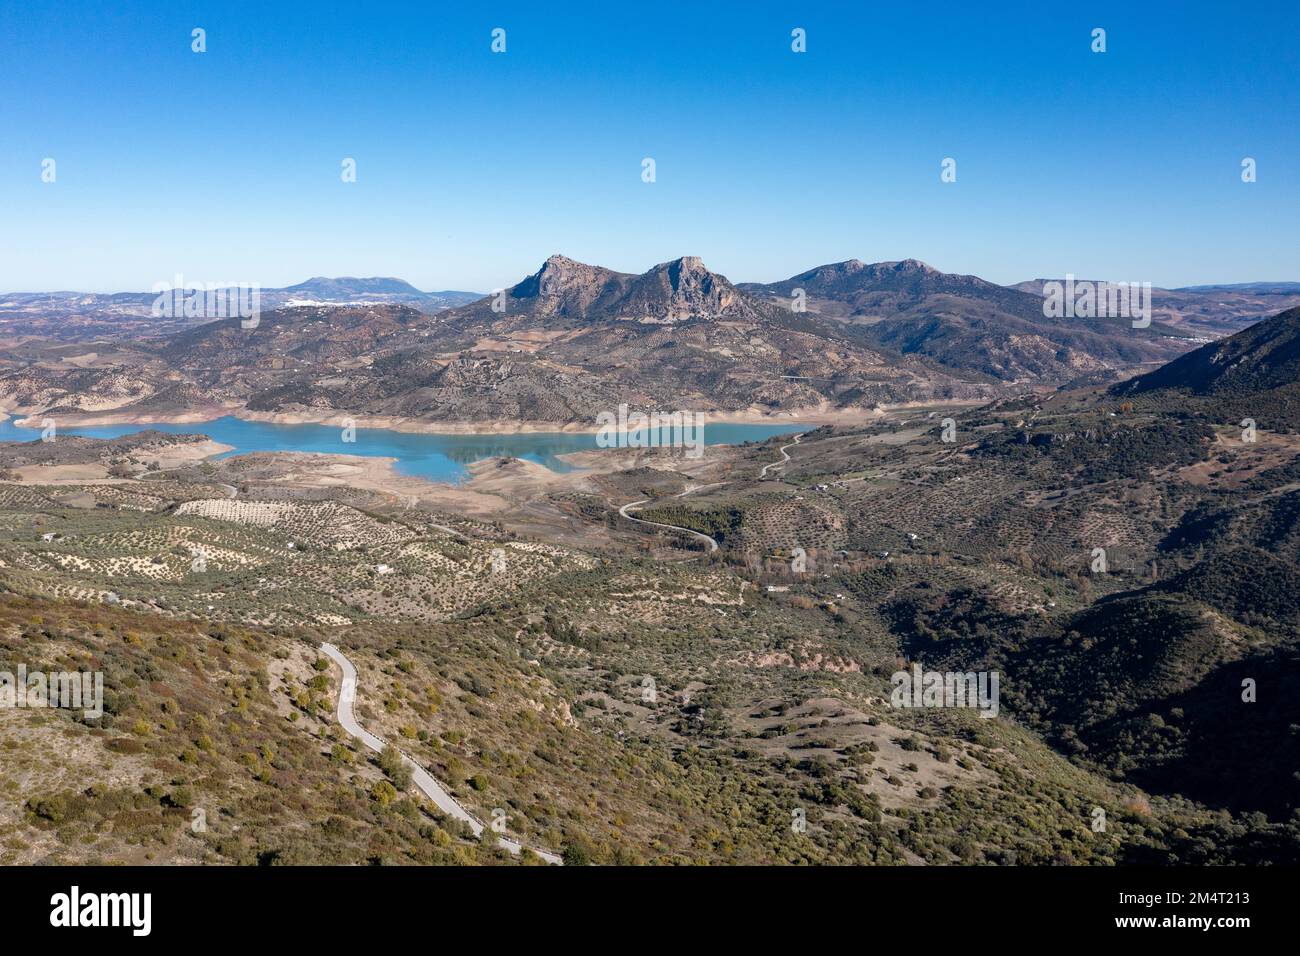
(435, 457)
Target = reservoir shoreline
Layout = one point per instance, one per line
(812, 416)
(438, 457)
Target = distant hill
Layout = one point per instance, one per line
(1257, 288)
(349, 290)
(966, 322)
(81, 316)
(861, 284)
(347, 285)
(1210, 311)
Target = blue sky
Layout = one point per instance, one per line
(472, 167)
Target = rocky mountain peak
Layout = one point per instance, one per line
(684, 288)
(562, 277)
(910, 266)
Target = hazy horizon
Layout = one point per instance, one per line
(637, 271)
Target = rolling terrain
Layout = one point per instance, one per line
(741, 698)
(968, 323)
(719, 635)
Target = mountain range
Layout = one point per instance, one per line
(73, 316)
(573, 339)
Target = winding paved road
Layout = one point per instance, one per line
(419, 776)
(784, 457)
(713, 545)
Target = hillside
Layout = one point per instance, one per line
(1262, 358)
(1127, 570)
(965, 322)
(770, 688)
(526, 692)
(1252, 374)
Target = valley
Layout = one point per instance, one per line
(716, 633)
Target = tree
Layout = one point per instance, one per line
(576, 854)
(391, 763)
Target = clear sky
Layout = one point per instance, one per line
(472, 167)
